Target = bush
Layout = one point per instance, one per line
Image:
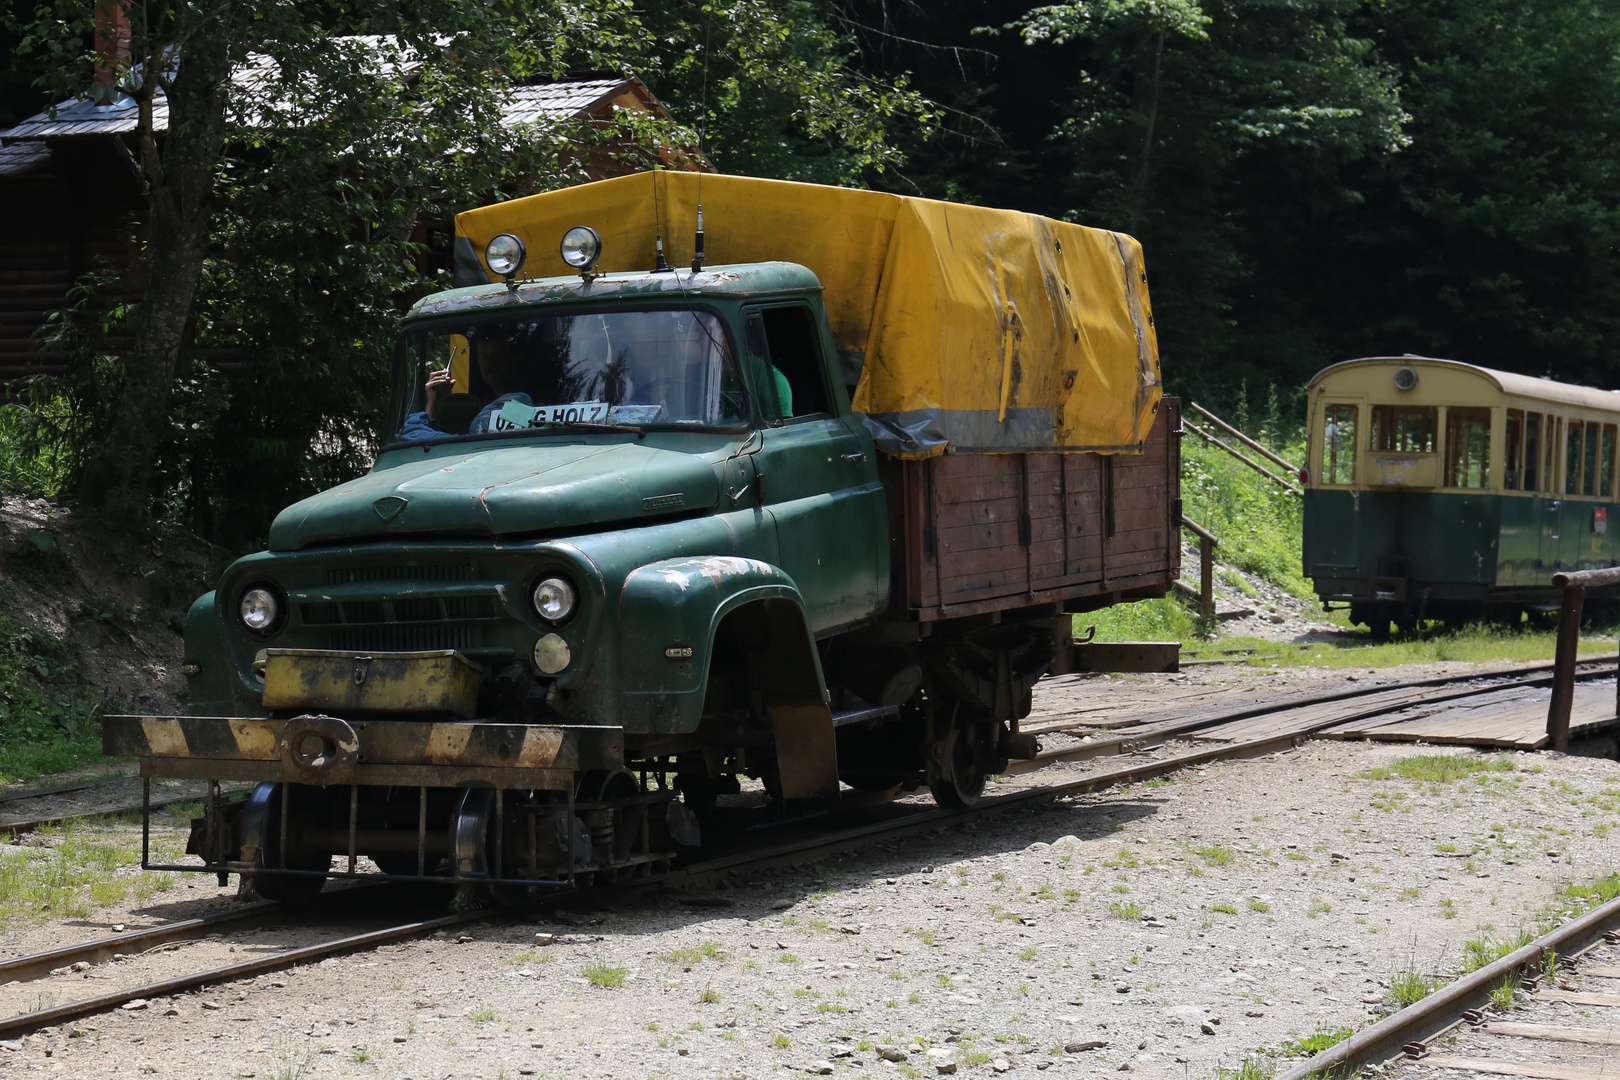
(47, 713)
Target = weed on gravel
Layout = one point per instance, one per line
(67, 870)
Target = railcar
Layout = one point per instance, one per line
(1441, 490)
(637, 532)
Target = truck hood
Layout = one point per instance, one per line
(503, 491)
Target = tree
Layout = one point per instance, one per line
(313, 135)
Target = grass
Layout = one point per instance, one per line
(1216, 855)
(1251, 1068)
(1229, 909)
(48, 713)
(604, 976)
(691, 957)
(1440, 769)
(1129, 910)
(1409, 985)
(69, 870)
(1317, 1041)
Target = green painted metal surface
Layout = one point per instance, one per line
(1490, 540)
(440, 545)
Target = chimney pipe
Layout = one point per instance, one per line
(112, 50)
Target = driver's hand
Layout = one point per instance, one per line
(437, 382)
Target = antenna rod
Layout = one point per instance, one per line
(662, 265)
(697, 251)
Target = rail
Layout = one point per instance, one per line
(793, 853)
(1286, 485)
(1293, 470)
(1207, 542)
(1574, 584)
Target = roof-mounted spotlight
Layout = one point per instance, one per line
(580, 248)
(505, 255)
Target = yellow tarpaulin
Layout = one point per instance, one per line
(973, 330)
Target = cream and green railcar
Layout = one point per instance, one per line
(1436, 489)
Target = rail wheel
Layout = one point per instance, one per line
(261, 835)
(956, 774)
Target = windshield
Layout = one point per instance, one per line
(496, 377)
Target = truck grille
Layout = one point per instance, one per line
(404, 638)
(431, 609)
(354, 575)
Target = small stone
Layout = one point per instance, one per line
(819, 1068)
(1338, 856)
(1207, 1028)
(10, 1044)
(212, 1006)
(1371, 999)
(1001, 1064)
(848, 928)
(545, 939)
(683, 1051)
(171, 1011)
(131, 1006)
(781, 905)
(945, 1068)
(892, 1053)
(82, 965)
(1554, 854)
(1122, 988)
(538, 1046)
(1124, 1066)
(1256, 1013)
(462, 939)
(118, 928)
(399, 1038)
(1082, 1047)
(59, 971)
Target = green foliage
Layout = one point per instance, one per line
(1323, 1038)
(1260, 525)
(47, 713)
(603, 975)
(1409, 985)
(1144, 620)
(1439, 768)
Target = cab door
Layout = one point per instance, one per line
(816, 471)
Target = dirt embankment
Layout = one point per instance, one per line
(117, 606)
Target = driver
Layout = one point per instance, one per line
(500, 362)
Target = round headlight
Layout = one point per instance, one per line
(554, 599)
(505, 254)
(581, 247)
(1405, 378)
(260, 610)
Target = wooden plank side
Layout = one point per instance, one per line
(1536, 1070)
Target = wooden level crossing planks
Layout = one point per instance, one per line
(1260, 727)
(1577, 997)
(1602, 972)
(1513, 721)
(1590, 1036)
(1532, 1069)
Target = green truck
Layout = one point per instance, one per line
(628, 545)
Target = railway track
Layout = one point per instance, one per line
(1483, 1043)
(1315, 713)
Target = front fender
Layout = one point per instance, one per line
(209, 674)
(668, 614)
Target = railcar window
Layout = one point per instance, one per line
(1549, 458)
(1468, 448)
(1513, 452)
(1339, 444)
(1403, 429)
(1572, 459)
(1532, 451)
(1606, 462)
(1589, 469)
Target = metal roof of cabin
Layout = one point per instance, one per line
(1528, 386)
(528, 104)
(23, 158)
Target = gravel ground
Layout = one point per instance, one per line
(1168, 929)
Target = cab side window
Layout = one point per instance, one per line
(1468, 447)
(1513, 452)
(795, 351)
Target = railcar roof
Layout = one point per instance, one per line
(1588, 397)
